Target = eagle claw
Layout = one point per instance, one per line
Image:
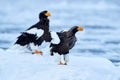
(38, 52)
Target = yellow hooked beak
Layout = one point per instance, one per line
(47, 14)
(80, 29)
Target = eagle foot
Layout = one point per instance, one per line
(38, 52)
(65, 63)
(60, 63)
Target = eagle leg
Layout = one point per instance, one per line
(51, 53)
(66, 58)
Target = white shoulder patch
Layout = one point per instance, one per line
(38, 32)
(55, 38)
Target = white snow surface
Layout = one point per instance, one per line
(24, 66)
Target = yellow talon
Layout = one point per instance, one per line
(60, 63)
(38, 52)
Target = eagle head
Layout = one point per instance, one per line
(44, 14)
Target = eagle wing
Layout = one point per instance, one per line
(71, 42)
(35, 31)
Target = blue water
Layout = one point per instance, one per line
(100, 19)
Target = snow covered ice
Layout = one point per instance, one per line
(17, 66)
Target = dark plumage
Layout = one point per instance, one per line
(25, 39)
(67, 41)
(37, 33)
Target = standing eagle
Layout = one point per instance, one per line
(67, 41)
(36, 34)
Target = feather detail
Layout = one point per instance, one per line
(35, 31)
(55, 38)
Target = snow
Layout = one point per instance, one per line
(24, 66)
(18, 49)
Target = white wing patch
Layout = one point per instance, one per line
(55, 38)
(38, 32)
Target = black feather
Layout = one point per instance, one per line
(67, 41)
